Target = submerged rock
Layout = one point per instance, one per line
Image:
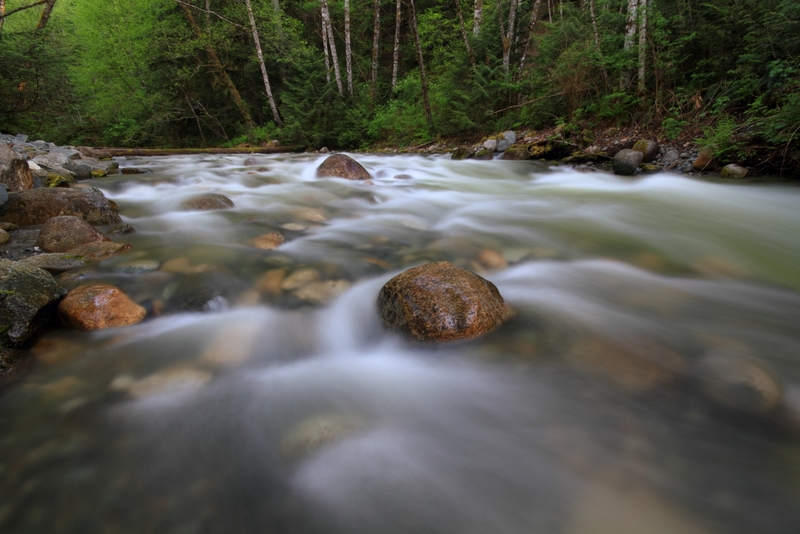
(342, 166)
(35, 206)
(60, 234)
(98, 306)
(739, 381)
(626, 162)
(27, 299)
(207, 202)
(441, 302)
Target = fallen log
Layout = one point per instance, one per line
(118, 152)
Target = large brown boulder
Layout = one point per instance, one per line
(441, 302)
(35, 206)
(97, 306)
(207, 202)
(60, 234)
(705, 160)
(27, 299)
(342, 166)
(14, 170)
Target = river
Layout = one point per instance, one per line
(649, 382)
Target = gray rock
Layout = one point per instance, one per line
(56, 263)
(484, 155)
(28, 297)
(52, 159)
(490, 145)
(734, 171)
(685, 155)
(505, 140)
(3, 198)
(626, 162)
(670, 156)
(21, 138)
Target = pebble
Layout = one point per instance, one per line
(269, 241)
(299, 278)
(322, 292)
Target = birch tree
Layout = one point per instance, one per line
(327, 27)
(642, 44)
(476, 17)
(324, 31)
(507, 35)
(267, 87)
(396, 54)
(529, 39)
(630, 32)
(464, 33)
(423, 79)
(348, 52)
(376, 30)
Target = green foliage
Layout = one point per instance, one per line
(721, 138)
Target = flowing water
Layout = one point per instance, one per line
(649, 382)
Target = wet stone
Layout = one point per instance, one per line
(99, 306)
(738, 381)
(441, 302)
(99, 250)
(207, 202)
(342, 166)
(56, 263)
(138, 266)
(60, 234)
(122, 229)
(269, 241)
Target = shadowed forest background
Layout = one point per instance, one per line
(178, 73)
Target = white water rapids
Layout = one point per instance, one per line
(649, 382)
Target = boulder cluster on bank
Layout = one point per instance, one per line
(40, 187)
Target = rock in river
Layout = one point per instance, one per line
(14, 170)
(97, 306)
(60, 234)
(35, 206)
(27, 299)
(207, 202)
(342, 166)
(626, 161)
(441, 302)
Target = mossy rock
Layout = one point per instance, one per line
(98, 173)
(484, 155)
(56, 180)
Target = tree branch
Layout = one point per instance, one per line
(40, 2)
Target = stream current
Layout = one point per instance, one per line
(649, 382)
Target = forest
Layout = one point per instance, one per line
(358, 74)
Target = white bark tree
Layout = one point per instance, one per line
(464, 33)
(396, 54)
(476, 17)
(348, 51)
(630, 33)
(376, 31)
(260, 54)
(328, 27)
(642, 44)
(529, 39)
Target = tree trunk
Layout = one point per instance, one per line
(222, 76)
(531, 25)
(348, 52)
(376, 30)
(642, 44)
(267, 87)
(476, 17)
(464, 33)
(325, 49)
(45, 17)
(397, 19)
(326, 22)
(423, 79)
(630, 32)
(276, 6)
(594, 25)
(508, 37)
